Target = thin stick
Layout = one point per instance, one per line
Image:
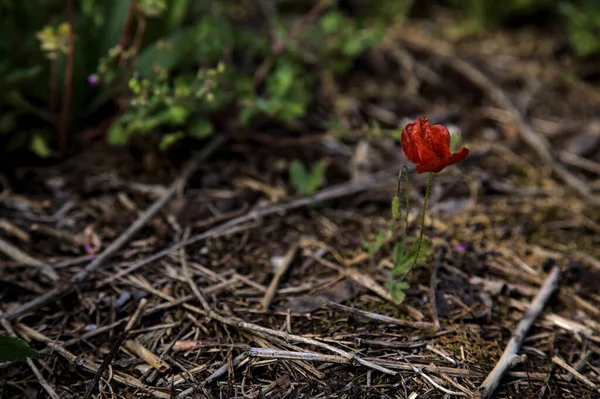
(188, 277)
(214, 376)
(296, 338)
(561, 363)
(430, 380)
(377, 317)
(23, 258)
(114, 349)
(150, 212)
(510, 353)
(279, 273)
(340, 190)
(123, 238)
(89, 365)
(146, 355)
(267, 353)
(580, 364)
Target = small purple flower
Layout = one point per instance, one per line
(93, 80)
(355, 240)
(460, 248)
(90, 250)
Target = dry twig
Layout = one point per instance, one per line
(561, 363)
(378, 317)
(123, 238)
(509, 356)
(21, 257)
(340, 190)
(114, 349)
(296, 338)
(279, 273)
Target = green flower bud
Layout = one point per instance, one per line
(396, 211)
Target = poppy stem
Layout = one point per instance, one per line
(423, 216)
(419, 244)
(398, 192)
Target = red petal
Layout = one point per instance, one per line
(408, 143)
(415, 144)
(433, 167)
(440, 140)
(440, 164)
(458, 156)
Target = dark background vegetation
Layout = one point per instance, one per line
(180, 70)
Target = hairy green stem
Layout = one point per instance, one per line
(419, 244)
(404, 168)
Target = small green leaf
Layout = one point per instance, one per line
(316, 177)
(117, 135)
(15, 349)
(398, 254)
(397, 290)
(403, 263)
(176, 114)
(390, 229)
(201, 129)
(366, 244)
(19, 75)
(378, 241)
(39, 145)
(169, 139)
(246, 115)
(299, 177)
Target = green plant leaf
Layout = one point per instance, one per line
(398, 254)
(316, 177)
(397, 290)
(201, 128)
(18, 75)
(167, 52)
(13, 349)
(169, 139)
(378, 241)
(403, 262)
(39, 145)
(246, 115)
(117, 135)
(115, 12)
(299, 177)
(176, 114)
(176, 14)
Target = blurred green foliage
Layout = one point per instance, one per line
(580, 18)
(164, 68)
(307, 181)
(489, 14)
(167, 66)
(583, 25)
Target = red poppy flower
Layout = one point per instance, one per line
(429, 146)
